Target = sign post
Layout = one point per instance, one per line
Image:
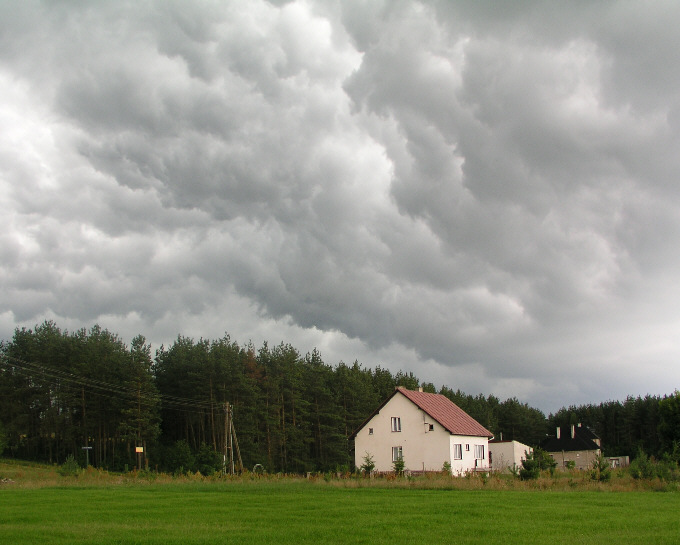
(87, 456)
(139, 451)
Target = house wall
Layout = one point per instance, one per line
(468, 462)
(583, 459)
(422, 450)
(505, 454)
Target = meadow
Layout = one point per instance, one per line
(37, 505)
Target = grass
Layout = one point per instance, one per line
(127, 509)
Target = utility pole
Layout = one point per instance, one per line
(227, 428)
(229, 442)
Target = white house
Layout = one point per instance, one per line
(426, 431)
(503, 455)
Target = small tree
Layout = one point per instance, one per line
(399, 465)
(369, 464)
(207, 461)
(601, 470)
(70, 468)
(535, 462)
(642, 467)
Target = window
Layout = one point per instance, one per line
(397, 454)
(431, 427)
(457, 452)
(370, 431)
(396, 423)
(467, 448)
(479, 452)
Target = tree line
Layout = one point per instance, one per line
(62, 391)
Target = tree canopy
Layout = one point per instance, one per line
(61, 391)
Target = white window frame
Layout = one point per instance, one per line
(457, 451)
(479, 452)
(396, 423)
(397, 453)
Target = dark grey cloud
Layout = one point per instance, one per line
(483, 195)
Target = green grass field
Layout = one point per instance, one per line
(315, 513)
(38, 506)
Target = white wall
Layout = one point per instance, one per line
(468, 461)
(507, 453)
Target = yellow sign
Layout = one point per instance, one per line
(139, 449)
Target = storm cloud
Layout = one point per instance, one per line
(484, 194)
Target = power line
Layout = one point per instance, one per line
(101, 388)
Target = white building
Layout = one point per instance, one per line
(426, 431)
(503, 455)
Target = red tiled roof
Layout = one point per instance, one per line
(447, 413)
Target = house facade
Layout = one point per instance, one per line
(504, 455)
(574, 445)
(426, 431)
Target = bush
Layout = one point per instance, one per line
(179, 459)
(369, 464)
(601, 470)
(208, 461)
(70, 468)
(398, 466)
(535, 462)
(642, 467)
(647, 467)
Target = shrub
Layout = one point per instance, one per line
(535, 462)
(70, 468)
(647, 467)
(179, 459)
(601, 470)
(398, 466)
(369, 464)
(208, 461)
(642, 467)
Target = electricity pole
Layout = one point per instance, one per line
(229, 442)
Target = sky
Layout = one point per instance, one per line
(485, 194)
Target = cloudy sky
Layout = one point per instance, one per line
(486, 194)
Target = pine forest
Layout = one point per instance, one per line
(86, 393)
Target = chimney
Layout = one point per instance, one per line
(420, 388)
(558, 432)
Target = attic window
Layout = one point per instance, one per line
(370, 431)
(431, 427)
(396, 423)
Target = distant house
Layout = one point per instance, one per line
(426, 431)
(504, 455)
(576, 443)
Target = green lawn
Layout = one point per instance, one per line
(314, 513)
